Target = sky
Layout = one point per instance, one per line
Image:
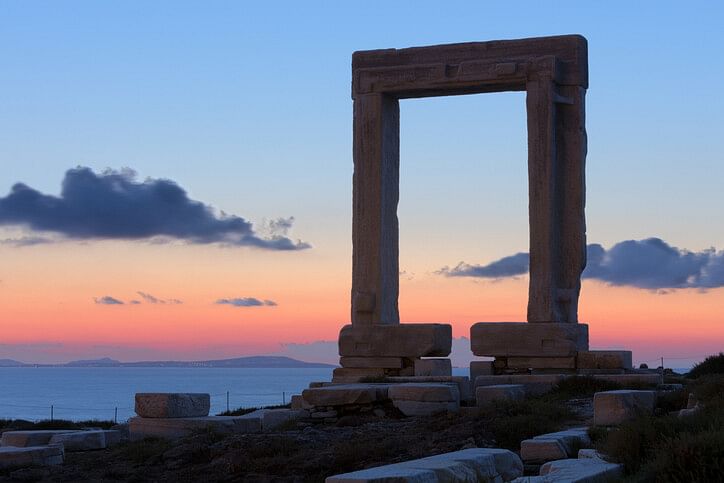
(177, 176)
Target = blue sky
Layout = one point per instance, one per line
(247, 107)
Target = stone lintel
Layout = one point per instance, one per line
(504, 55)
(402, 340)
(426, 80)
(522, 339)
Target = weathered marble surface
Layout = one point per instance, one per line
(521, 339)
(469, 465)
(611, 408)
(172, 405)
(500, 392)
(401, 340)
(12, 456)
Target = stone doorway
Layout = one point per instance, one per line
(553, 71)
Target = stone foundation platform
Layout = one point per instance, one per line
(372, 352)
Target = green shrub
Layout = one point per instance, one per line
(143, 451)
(651, 446)
(669, 401)
(687, 457)
(631, 443)
(709, 389)
(711, 365)
(513, 421)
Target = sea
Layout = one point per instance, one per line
(107, 393)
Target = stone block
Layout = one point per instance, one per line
(423, 408)
(345, 394)
(24, 439)
(604, 360)
(501, 392)
(580, 471)
(298, 403)
(399, 340)
(542, 450)
(481, 368)
(523, 339)
(669, 387)
(324, 414)
(631, 379)
(356, 374)
(469, 465)
(273, 418)
(433, 367)
(615, 407)
(424, 392)
(535, 384)
(373, 362)
(590, 453)
(172, 405)
(87, 440)
(541, 362)
(554, 446)
(462, 382)
(14, 456)
(174, 428)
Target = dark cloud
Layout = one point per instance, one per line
(155, 300)
(505, 267)
(107, 300)
(114, 205)
(246, 302)
(26, 241)
(649, 264)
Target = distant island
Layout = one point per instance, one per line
(253, 361)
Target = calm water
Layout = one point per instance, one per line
(94, 392)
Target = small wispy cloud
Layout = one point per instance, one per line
(107, 300)
(246, 302)
(155, 300)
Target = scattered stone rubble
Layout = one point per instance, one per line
(611, 408)
(175, 415)
(468, 465)
(48, 447)
(554, 446)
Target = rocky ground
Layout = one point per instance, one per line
(304, 452)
